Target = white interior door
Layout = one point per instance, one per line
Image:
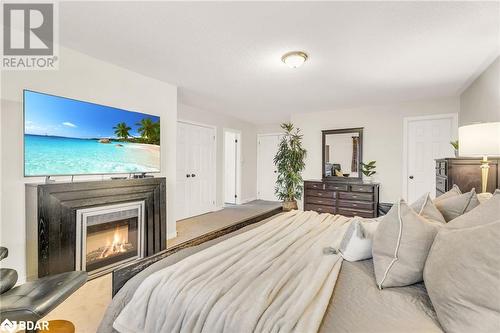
(195, 170)
(427, 140)
(230, 167)
(267, 173)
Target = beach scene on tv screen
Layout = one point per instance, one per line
(68, 137)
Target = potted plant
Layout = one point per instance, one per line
(454, 144)
(289, 161)
(368, 169)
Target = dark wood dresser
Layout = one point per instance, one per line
(348, 199)
(466, 173)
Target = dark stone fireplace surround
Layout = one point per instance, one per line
(59, 202)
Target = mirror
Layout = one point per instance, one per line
(342, 154)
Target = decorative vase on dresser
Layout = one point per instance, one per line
(342, 189)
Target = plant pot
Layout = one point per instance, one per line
(368, 179)
(289, 205)
(456, 152)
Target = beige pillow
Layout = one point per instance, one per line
(462, 277)
(426, 208)
(400, 246)
(485, 213)
(454, 206)
(455, 190)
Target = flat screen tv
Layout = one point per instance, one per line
(63, 136)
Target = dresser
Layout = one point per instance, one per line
(466, 174)
(348, 199)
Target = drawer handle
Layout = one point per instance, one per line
(320, 209)
(320, 194)
(320, 201)
(354, 205)
(354, 196)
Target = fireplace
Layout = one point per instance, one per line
(108, 236)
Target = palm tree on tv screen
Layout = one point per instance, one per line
(147, 128)
(122, 130)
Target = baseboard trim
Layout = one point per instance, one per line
(244, 201)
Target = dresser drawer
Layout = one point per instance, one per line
(362, 188)
(441, 184)
(320, 201)
(351, 213)
(320, 194)
(320, 209)
(356, 196)
(336, 187)
(356, 204)
(314, 186)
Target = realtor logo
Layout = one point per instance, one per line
(29, 36)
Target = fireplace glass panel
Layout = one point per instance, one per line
(110, 239)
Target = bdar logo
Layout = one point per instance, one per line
(8, 326)
(29, 29)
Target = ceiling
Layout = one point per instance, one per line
(225, 56)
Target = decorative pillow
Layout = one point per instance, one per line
(357, 242)
(455, 190)
(485, 213)
(401, 245)
(426, 208)
(454, 206)
(462, 277)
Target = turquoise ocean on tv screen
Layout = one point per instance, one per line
(47, 155)
(70, 137)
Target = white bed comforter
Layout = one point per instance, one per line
(274, 278)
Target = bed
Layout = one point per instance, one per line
(356, 305)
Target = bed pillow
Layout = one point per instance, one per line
(455, 190)
(400, 246)
(462, 277)
(426, 208)
(485, 213)
(454, 206)
(357, 242)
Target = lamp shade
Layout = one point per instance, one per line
(479, 139)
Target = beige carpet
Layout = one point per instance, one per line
(193, 227)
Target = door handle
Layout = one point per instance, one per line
(411, 177)
(275, 171)
(188, 175)
(193, 175)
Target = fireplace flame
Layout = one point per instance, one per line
(120, 239)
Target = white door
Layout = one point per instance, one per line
(267, 171)
(427, 140)
(195, 170)
(231, 166)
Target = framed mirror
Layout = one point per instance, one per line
(342, 154)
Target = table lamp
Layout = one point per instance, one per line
(480, 140)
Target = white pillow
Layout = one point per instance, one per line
(357, 242)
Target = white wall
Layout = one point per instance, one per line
(480, 102)
(248, 148)
(382, 137)
(84, 78)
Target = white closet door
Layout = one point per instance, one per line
(195, 170)
(267, 171)
(427, 140)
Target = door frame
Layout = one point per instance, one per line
(214, 156)
(259, 171)
(239, 133)
(406, 122)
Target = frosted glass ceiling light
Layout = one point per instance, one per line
(294, 59)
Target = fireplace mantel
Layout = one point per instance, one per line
(51, 217)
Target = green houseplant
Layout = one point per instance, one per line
(368, 169)
(454, 144)
(289, 161)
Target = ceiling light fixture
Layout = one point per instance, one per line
(294, 59)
